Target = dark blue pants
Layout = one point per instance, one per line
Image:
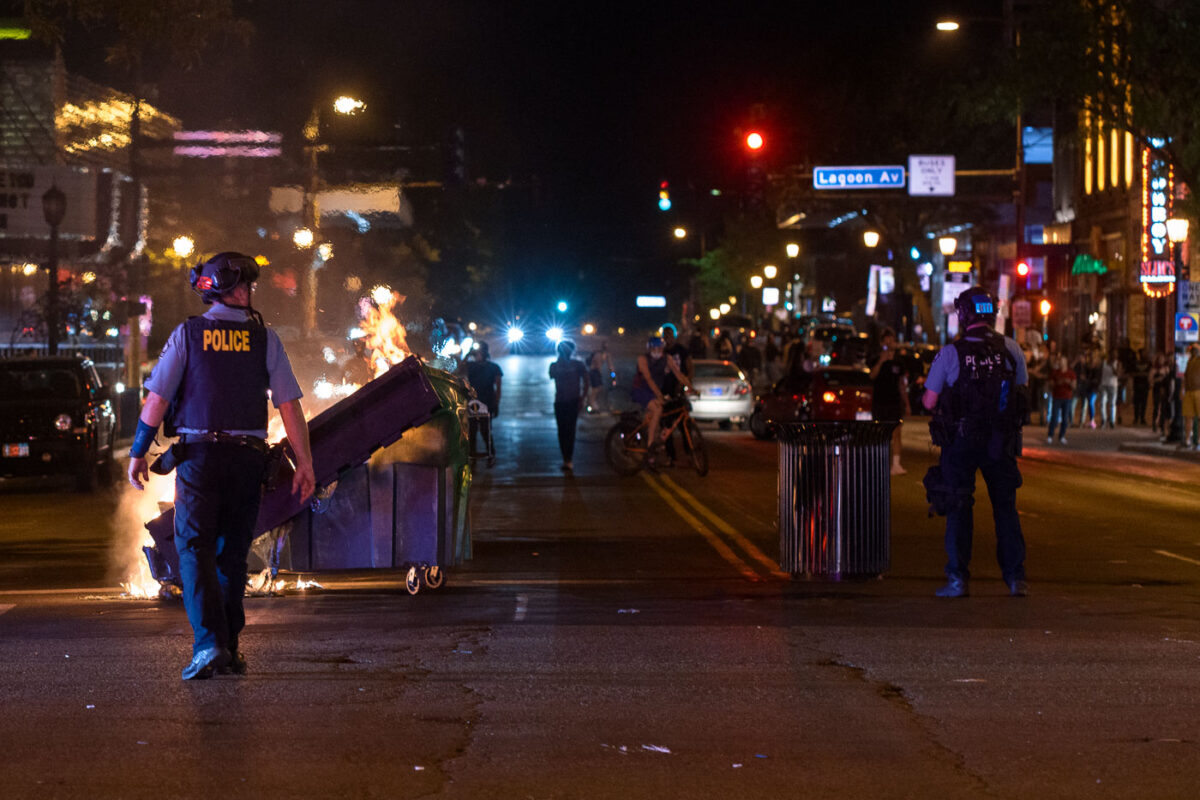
(217, 491)
(1060, 415)
(960, 461)
(566, 416)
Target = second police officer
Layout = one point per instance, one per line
(211, 386)
(977, 391)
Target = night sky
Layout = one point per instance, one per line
(600, 101)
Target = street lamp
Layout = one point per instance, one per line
(183, 246)
(871, 238)
(680, 233)
(793, 249)
(54, 209)
(946, 247)
(769, 272)
(1177, 233)
(303, 238)
(756, 281)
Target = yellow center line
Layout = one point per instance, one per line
(1169, 554)
(727, 529)
(715, 541)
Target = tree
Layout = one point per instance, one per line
(1130, 64)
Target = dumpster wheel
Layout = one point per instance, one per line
(412, 581)
(433, 577)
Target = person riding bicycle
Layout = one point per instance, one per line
(652, 370)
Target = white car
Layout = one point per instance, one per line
(724, 393)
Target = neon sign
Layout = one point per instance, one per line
(1157, 273)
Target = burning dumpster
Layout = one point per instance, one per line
(393, 483)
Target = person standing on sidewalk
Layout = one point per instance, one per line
(1191, 399)
(1110, 387)
(889, 396)
(1160, 379)
(570, 391)
(978, 391)
(211, 385)
(1141, 387)
(1062, 387)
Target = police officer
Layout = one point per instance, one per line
(211, 385)
(977, 392)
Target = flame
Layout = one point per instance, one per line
(386, 339)
(133, 512)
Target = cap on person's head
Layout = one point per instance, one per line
(655, 341)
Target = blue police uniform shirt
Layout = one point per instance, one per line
(167, 376)
(943, 371)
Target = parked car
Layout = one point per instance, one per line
(828, 345)
(724, 393)
(56, 416)
(835, 393)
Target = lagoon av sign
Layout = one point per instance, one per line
(891, 177)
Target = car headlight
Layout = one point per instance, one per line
(63, 422)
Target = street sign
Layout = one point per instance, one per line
(858, 177)
(931, 176)
(1187, 328)
(1189, 295)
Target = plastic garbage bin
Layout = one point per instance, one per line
(835, 498)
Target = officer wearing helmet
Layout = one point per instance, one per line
(211, 387)
(977, 390)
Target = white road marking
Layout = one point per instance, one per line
(522, 605)
(6, 607)
(1178, 557)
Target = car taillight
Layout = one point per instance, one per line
(741, 389)
(63, 422)
(829, 397)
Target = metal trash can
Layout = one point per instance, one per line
(835, 498)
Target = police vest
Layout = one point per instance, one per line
(983, 397)
(225, 384)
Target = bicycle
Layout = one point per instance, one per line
(626, 446)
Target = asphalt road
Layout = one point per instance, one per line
(630, 637)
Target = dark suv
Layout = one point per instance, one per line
(56, 417)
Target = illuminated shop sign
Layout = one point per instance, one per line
(1157, 273)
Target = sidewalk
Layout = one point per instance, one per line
(1139, 439)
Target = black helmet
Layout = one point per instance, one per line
(975, 305)
(221, 273)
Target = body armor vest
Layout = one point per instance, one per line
(225, 384)
(984, 398)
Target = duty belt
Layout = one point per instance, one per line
(224, 438)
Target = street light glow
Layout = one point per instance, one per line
(724, 307)
(793, 249)
(947, 244)
(183, 246)
(871, 238)
(714, 313)
(756, 281)
(681, 233)
(947, 25)
(769, 272)
(348, 105)
(303, 238)
(1177, 229)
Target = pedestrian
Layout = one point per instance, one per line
(1141, 386)
(1062, 387)
(1191, 399)
(486, 378)
(697, 347)
(600, 372)
(889, 396)
(1083, 392)
(977, 391)
(570, 390)
(1109, 390)
(1039, 366)
(211, 386)
(1160, 374)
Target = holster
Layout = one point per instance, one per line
(167, 460)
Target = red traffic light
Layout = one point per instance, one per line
(754, 140)
(1022, 269)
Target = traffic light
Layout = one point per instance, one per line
(1045, 307)
(664, 197)
(1022, 269)
(754, 141)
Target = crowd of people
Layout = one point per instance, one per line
(1093, 388)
